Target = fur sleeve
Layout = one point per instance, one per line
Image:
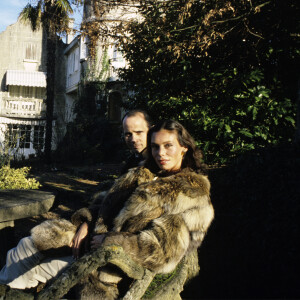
(80, 216)
(53, 234)
(159, 248)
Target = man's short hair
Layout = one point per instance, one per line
(134, 112)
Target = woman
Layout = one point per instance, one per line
(157, 213)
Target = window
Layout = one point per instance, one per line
(26, 92)
(24, 136)
(12, 135)
(71, 65)
(40, 93)
(38, 137)
(14, 91)
(19, 136)
(118, 55)
(31, 52)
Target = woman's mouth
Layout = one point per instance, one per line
(162, 161)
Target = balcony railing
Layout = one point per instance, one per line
(22, 107)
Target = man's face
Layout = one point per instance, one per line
(135, 132)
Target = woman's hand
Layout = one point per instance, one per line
(78, 239)
(97, 241)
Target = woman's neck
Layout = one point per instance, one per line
(165, 173)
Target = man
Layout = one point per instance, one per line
(136, 124)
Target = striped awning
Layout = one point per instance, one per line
(25, 78)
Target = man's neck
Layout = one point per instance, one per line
(142, 153)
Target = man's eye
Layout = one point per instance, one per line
(127, 135)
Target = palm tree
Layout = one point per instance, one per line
(53, 16)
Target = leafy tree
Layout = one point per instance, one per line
(226, 69)
(53, 16)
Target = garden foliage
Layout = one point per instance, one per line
(226, 69)
(11, 178)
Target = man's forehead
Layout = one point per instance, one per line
(135, 120)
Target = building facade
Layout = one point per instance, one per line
(75, 57)
(23, 81)
(23, 91)
(103, 66)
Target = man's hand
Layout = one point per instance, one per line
(78, 239)
(97, 241)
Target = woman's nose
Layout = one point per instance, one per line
(161, 151)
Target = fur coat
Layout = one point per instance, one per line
(156, 219)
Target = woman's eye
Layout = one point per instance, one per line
(168, 145)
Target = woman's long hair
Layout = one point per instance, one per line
(193, 156)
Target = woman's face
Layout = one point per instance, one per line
(166, 150)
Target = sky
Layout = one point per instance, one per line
(10, 10)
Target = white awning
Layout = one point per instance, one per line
(25, 78)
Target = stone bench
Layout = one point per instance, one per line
(19, 204)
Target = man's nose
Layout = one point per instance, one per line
(134, 138)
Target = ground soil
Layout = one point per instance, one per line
(250, 250)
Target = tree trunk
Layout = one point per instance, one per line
(169, 289)
(51, 55)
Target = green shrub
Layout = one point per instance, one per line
(256, 115)
(11, 178)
